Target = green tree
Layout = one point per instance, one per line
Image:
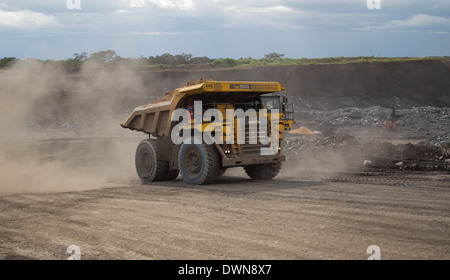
(165, 59)
(80, 56)
(169, 59)
(200, 60)
(7, 61)
(273, 55)
(104, 56)
(225, 62)
(182, 58)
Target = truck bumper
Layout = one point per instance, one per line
(242, 161)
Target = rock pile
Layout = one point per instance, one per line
(346, 150)
(421, 119)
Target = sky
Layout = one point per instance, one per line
(56, 29)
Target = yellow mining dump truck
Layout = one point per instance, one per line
(205, 127)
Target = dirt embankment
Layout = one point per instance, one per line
(331, 86)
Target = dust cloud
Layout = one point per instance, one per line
(329, 154)
(61, 132)
(313, 160)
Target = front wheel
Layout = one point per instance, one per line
(199, 163)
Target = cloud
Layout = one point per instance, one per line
(417, 22)
(164, 4)
(155, 25)
(26, 19)
(214, 15)
(420, 21)
(174, 4)
(137, 3)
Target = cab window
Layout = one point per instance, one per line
(270, 102)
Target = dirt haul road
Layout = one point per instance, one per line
(299, 215)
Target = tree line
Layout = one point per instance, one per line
(110, 58)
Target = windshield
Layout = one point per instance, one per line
(270, 102)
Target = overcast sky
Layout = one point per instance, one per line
(56, 29)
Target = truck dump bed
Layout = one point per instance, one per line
(151, 118)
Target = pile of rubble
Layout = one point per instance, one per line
(346, 151)
(357, 138)
(436, 140)
(348, 116)
(423, 120)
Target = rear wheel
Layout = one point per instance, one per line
(149, 167)
(263, 171)
(199, 163)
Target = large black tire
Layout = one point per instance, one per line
(199, 163)
(222, 171)
(263, 171)
(172, 174)
(149, 167)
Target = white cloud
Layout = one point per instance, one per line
(149, 33)
(26, 19)
(271, 9)
(137, 3)
(121, 11)
(164, 4)
(252, 14)
(417, 22)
